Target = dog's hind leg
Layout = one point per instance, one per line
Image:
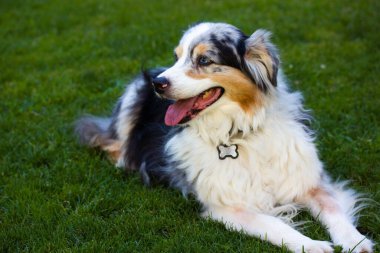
(126, 115)
(336, 207)
(269, 228)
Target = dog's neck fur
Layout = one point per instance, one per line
(226, 123)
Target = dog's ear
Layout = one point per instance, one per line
(261, 59)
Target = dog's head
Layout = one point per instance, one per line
(216, 64)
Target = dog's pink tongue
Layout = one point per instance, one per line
(179, 110)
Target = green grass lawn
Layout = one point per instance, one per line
(60, 59)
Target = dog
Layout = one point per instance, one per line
(222, 124)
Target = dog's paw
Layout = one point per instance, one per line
(362, 245)
(314, 246)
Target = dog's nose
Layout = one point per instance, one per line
(160, 84)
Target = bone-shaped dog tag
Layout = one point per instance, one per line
(228, 151)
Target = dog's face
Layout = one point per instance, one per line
(214, 61)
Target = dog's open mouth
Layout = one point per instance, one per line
(184, 110)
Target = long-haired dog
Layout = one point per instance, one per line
(222, 125)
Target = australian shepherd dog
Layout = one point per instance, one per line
(221, 124)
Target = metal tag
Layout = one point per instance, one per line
(228, 151)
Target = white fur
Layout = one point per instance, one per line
(278, 165)
(278, 169)
(126, 118)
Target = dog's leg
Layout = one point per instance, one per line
(334, 207)
(268, 228)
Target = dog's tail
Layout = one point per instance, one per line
(98, 133)
(93, 131)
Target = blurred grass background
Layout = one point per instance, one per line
(60, 59)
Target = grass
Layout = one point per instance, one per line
(60, 59)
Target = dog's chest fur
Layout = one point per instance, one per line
(267, 173)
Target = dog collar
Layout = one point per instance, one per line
(225, 151)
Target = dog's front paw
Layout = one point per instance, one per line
(314, 246)
(362, 245)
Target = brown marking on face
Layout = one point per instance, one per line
(237, 86)
(325, 201)
(178, 51)
(200, 49)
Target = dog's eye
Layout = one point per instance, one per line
(175, 57)
(204, 61)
